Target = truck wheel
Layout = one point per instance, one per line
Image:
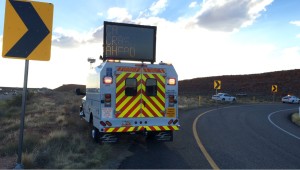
(95, 135)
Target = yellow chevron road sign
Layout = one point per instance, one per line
(27, 30)
(274, 88)
(217, 84)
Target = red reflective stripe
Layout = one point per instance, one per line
(162, 128)
(120, 91)
(151, 111)
(122, 79)
(132, 109)
(126, 129)
(152, 128)
(151, 101)
(171, 127)
(126, 105)
(159, 80)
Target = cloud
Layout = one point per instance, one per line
(297, 23)
(229, 15)
(70, 39)
(119, 14)
(97, 34)
(65, 41)
(291, 52)
(100, 14)
(193, 4)
(158, 7)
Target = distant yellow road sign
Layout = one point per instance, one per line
(27, 30)
(217, 84)
(274, 88)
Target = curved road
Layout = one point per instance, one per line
(238, 136)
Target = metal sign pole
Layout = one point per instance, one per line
(24, 96)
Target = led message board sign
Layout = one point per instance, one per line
(129, 42)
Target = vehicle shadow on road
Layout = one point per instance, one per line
(149, 154)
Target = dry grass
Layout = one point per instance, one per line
(54, 135)
(190, 101)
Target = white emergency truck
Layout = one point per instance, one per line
(130, 97)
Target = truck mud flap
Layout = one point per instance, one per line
(164, 136)
(108, 137)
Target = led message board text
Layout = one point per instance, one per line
(129, 42)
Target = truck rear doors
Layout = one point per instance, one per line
(140, 92)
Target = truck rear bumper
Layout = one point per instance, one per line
(140, 128)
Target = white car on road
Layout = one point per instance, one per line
(290, 99)
(224, 97)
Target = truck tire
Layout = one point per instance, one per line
(95, 135)
(94, 132)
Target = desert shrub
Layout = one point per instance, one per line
(15, 101)
(9, 148)
(28, 160)
(31, 141)
(10, 112)
(42, 159)
(54, 136)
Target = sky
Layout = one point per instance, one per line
(201, 38)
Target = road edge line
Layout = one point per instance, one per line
(280, 128)
(201, 146)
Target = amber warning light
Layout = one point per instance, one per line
(172, 81)
(107, 80)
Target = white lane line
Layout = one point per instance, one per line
(289, 133)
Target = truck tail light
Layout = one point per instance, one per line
(107, 100)
(172, 81)
(102, 123)
(108, 123)
(107, 80)
(105, 123)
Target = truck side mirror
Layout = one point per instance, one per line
(79, 92)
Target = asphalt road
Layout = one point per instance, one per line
(234, 137)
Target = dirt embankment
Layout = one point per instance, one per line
(252, 84)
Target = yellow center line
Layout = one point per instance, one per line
(201, 146)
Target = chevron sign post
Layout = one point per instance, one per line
(274, 90)
(217, 85)
(27, 36)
